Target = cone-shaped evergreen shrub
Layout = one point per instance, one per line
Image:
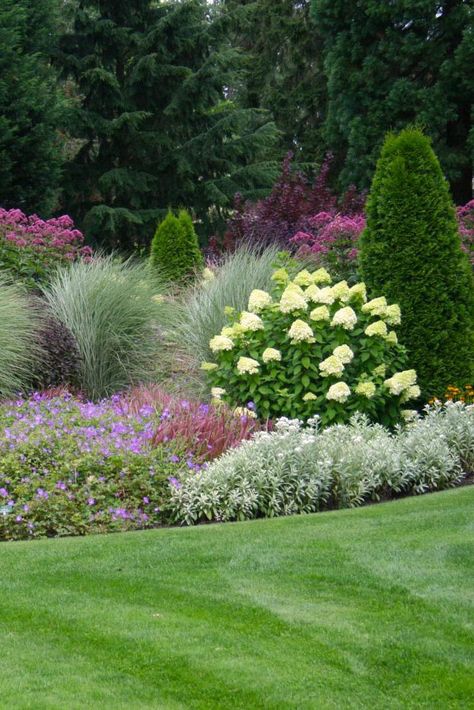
(411, 252)
(175, 250)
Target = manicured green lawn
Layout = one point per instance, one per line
(367, 608)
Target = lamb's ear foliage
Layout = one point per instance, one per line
(411, 252)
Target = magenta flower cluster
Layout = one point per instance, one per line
(465, 216)
(56, 236)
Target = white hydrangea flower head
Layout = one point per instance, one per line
(320, 313)
(309, 397)
(220, 342)
(345, 317)
(341, 291)
(393, 314)
(412, 392)
(293, 299)
(271, 355)
(380, 370)
(301, 332)
(377, 328)
(344, 353)
(217, 392)
(250, 321)
(401, 381)
(247, 366)
(303, 278)
(376, 307)
(258, 299)
(280, 276)
(409, 415)
(325, 296)
(358, 291)
(332, 365)
(321, 276)
(339, 392)
(228, 331)
(366, 389)
(312, 293)
(244, 412)
(391, 338)
(208, 275)
(208, 366)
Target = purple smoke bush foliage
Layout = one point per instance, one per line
(293, 200)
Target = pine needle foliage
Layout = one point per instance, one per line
(411, 252)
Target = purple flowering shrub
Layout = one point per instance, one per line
(31, 248)
(465, 216)
(69, 467)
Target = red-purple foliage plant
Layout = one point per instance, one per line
(293, 199)
(205, 430)
(30, 247)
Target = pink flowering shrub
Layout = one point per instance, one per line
(465, 216)
(31, 248)
(332, 239)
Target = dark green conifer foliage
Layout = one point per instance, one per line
(283, 54)
(30, 107)
(153, 124)
(411, 252)
(391, 64)
(175, 251)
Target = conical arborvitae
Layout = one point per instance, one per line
(411, 252)
(175, 250)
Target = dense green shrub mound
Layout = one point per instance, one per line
(175, 249)
(307, 348)
(411, 252)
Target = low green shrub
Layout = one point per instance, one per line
(19, 348)
(112, 309)
(175, 251)
(309, 348)
(300, 469)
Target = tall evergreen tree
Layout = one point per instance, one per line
(30, 106)
(153, 124)
(389, 64)
(285, 75)
(411, 252)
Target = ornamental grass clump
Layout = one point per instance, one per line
(312, 347)
(112, 311)
(20, 350)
